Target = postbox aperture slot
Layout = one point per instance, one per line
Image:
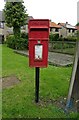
(38, 52)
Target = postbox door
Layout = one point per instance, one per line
(38, 54)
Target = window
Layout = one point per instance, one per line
(56, 30)
(69, 30)
(73, 30)
(1, 25)
(50, 29)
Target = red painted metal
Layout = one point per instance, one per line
(38, 34)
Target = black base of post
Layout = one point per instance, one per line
(37, 85)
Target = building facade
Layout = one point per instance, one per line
(55, 28)
(67, 30)
(1, 27)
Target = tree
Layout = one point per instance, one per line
(77, 24)
(15, 16)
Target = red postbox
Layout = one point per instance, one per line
(38, 42)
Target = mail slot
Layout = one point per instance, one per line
(38, 34)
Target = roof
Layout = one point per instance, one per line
(61, 24)
(1, 16)
(54, 25)
(70, 26)
(67, 25)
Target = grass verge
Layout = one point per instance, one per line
(18, 101)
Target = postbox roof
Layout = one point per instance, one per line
(38, 23)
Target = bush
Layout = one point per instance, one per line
(71, 38)
(11, 42)
(53, 37)
(24, 35)
(20, 44)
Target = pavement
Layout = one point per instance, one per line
(57, 59)
(60, 59)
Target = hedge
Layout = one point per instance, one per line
(20, 44)
(55, 37)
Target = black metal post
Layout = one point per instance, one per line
(37, 85)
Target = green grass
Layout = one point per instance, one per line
(70, 51)
(18, 101)
(0, 60)
(0, 81)
(67, 48)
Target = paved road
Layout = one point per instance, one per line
(57, 59)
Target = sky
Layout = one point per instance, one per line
(55, 10)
